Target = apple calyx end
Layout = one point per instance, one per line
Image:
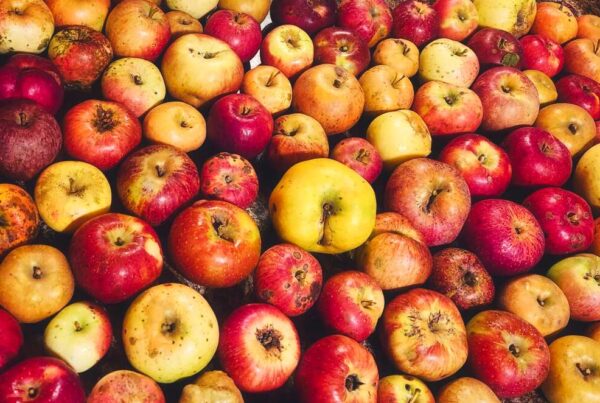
(368, 304)
(104, 119)
(137, 79)
(32, 392)
(220, 228)
(514, 350)
(470, 279)
(160, 170)
(352, 383)
(77, 325)
(36, 272)
(168, 327)
(22, 119)
(572, 128)
(270, 339)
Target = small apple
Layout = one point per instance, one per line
(543, 54)
(12, 338)
(269, 86)
(360, 155)
(580, 91)
(385, 90)
(586, 179)
(370, 19)
(495, 47)
(342, 47)
(120, 385)
(448, 61)
(544, 85)
(19, 217)
(26, 26)
(555, 22)
(571, 124)
(458, 19)
(176, 124)
(403, 388)
(211, 386)
(416, 21)
(400, 54)
(181, 23)
(288, 48)
(466, 389)
(239, 30)
(309, 15)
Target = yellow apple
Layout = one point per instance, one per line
(569, 123)
(544, 85)
(195, 8)
(176, 124)
(25, 26)
(323, 206)
(386, 90)
(258, 9)
(586, 179)
(403, 388)
(270, 87)
(212, 386)
(448, 61)
(514, 16)
(466, 389)
(400, 54)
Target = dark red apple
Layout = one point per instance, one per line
(505, 236)
(542, 54)
(581, 91)
(537, 158)
(342, 47)
(309, 15)
(360, 155)
(25, 61)
(459, 275)
(239, 124)
(370, 19)
(30, 139)
(231, 178)
(239, 30)
(288, 277)
(11, 336)
(495, 47)
(416, 21)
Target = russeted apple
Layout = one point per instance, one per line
(19, 215)
(125, 385)
(211, 386)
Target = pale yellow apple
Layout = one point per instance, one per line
(399, 136)
(25, 26)
(400, 54)
(545, 86)
(386, 90)
(212, 386)
(448, 61)
(403, 388)
(586, 179)
(569, 123)
(195, 8)
(177, 124)
(323, 206)
(68, 193)
(270, 87)
(258, 9)
(514, 16)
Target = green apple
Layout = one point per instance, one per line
(448, 61)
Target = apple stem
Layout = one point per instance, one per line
(327, 212)
(152, 12)
(367, 304)
(78, 327)
(245, 110)
(415, 396)
(32, 393)
(584, 371)
(363, 156)
(573, 128)
(271, 78)
(353, 383)
(137, 79)
(37, 272)
(434, 194)
(22, 119)
(119, 241)
(160, 171)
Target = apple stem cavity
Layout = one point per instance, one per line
(514, 350)
(353, 383)
(137, 79)
(22, 119)
(470, 279)
(367, 304)
(168, 327)
(245, 110)
(573, 128)
(32, 392)
(337, 83)
(573, 218)
(585, 371)
(271, 79)
(270, 339)
(325, 240)
(103, 121)
(220, 227)
(160, 171)
(505, 89)
(36, 272)
(541, 302)
(73, 189)
(363, 156)
(78, 327)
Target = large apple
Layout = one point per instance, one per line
(495, 47)
(19, 217)
(309, 15)
(176, 124)
(448, 61)
(239, 30)
(466, 389)
(458, 19)
(586, 179)
(12, 338)
(385, 90)
(581, 91)
(269, 86)
(400, 54)
(514, 16)
(555, 21)
(571, 124)
(543, 54)
(342, 47)
(288, 48)
(120, 385)
(582, 56)
(416, 21)
(360, 155)
(79, 12)
(370, 19)
(26, 26)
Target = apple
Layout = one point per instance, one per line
(537, 158)
(41, 379)
(336, 204)
(571, 124)
(30, 139)
(81, 54)
(484, 165)
(19, 217)
(543, 54)
(593, 331)
(588, 26)
(509, 99)
(507, 353)
(460, 275)
(25, 61)
(424, 335)
(582, 56)
(35, 282)
(400, 54)
(230, 246)
(573, 373)
(288, 48)
(360, 155)
(370, 19)
(12, 338)
(101, 133)
(586, 180)
(403, 388)
(578, 277)
(514, 16)
(210, 70)
(240, 124)
(580, 91)
(115, 256)
(458, 19)
(68, 193)
(495, 47)
(416, 21)
(196, 9)
(181, 23)
(385, 90)
(288, 277)
(466, 389)
(399, 136)
(170, 332)
(258, 9)
(310, 15)
(537, 300)
(155, 181)
(555, 22)
(296, 137)
(80, 334)
(269, 86)
(211, 386)
(331, 95)
(176, 124)
(448, 61)
(134, 82)
(125, 385)
(229, 177)
(337, 368)
(440, 206)
(505, 236)
(259, 347)
(448, 109)
(239, 30)
(342, 47)
(79, 12)
(595, 246)
(350, 304)
(546, 89)
(26, 26)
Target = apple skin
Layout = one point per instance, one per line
(400, 54)
(581, 91)
(115, 256)
(239, 30)
(19, 215)
(288, 277)
(449, 61)
(26, 26)
(458, 18)
(342, 47)
(460, 275)
(588, 26)
(211, 386)
(537, 158)
(370, 19)
(176, 124)
(350, 304)
(181, 23)
(565, 218)
(495, 47)
(24, 61)
(77, 12)
(514, 16)
(270, 87)
(385, 90)
(309, 15)
(507, 353)
(416, 21)
(337, 369)
(360, 155)
(582, 56)
(543, 54)
(259, 347)
(545, 86)
(466, 389)
(593, 331)
(194, 8)
(12, 338)
(484, 165)
(288, 48)
(120, 385)
(555, 22)
(585, 178)
(48, 380)
(403, 388)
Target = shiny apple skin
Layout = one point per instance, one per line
(342, 47)
(20, 216)
(128, 386)
(581, 91)
(329, 365)
(309, 15)
(416, 21)
(239, 30)
(25, 61)
(11, 336)
(495, 47)
(33, 83)
(288, 277)
(403, 388)
(360, 155)
(543, 54)
(370, 19)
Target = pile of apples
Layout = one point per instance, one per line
(359, 201)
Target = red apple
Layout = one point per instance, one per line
(25, 61)
(288, 277)
(351, 303)
(507, 353)
(239, 124)
(239, 30)
(337, 369)
(43, 380)
(580, 91)
(231, 178)
(360, 155)
(11, 336)
(582, 56)
(288, 48)
(156, 181)
(505, 236)
(416, 21)
(543, 54)
(115, 256)
(309, 15)
(537, 158)
(495, 47)
(485, 166)
(370, 19)
(125, 385)
(259, 347)
(457, 18)
(342, 47)
(459, 275)
(101, 133)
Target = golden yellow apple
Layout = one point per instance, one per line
(544, 85)
(514, 16)
(176, 124)
(258, 9)
(586, 179)
(400, 54)
(569, 123)
(269, 86)
(386, 90)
